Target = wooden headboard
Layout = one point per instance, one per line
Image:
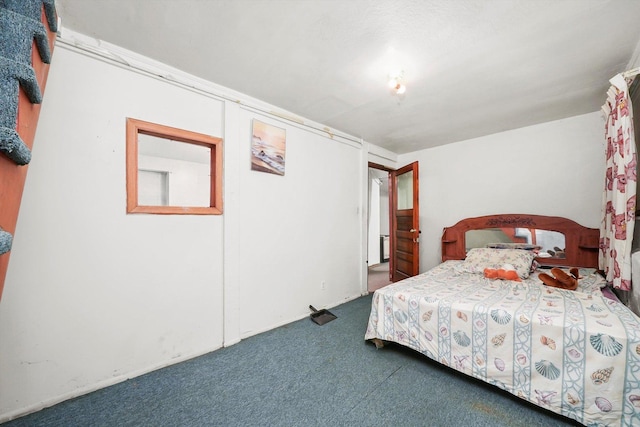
(581, 243)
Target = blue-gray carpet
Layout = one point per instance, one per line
(301, 374)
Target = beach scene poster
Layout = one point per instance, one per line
(268, 145)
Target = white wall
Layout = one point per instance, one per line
(374, 255)
(94, 296)
(554, 168)
(384, 207)
(301, 232)
(381, 156)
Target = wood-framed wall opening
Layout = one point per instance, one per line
(136, 128)
(378, 274)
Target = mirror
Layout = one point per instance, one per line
(548, 244)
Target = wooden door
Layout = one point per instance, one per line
(405, 223)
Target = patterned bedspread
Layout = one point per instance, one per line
(576, 353)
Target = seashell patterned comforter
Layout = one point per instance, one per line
(576, 353)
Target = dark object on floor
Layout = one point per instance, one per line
(321, 316)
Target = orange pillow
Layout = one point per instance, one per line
(501, 273)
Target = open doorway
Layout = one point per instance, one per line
(393, 248)
(378, 248)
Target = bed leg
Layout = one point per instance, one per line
(378, 343)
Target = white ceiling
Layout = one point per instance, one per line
(472, 67)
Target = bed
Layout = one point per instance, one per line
(576, 353)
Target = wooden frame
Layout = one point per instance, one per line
(389, 218)
(136, 127)
(582, 243)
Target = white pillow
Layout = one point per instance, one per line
(480, 258)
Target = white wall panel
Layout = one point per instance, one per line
(93, 295)
(299, 230)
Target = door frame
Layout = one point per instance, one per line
(373, 165)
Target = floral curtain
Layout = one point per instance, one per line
(619, 196)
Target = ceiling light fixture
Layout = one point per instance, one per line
(396, 82)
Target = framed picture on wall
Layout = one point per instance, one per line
(268, 144)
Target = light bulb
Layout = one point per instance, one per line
(395, 82)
